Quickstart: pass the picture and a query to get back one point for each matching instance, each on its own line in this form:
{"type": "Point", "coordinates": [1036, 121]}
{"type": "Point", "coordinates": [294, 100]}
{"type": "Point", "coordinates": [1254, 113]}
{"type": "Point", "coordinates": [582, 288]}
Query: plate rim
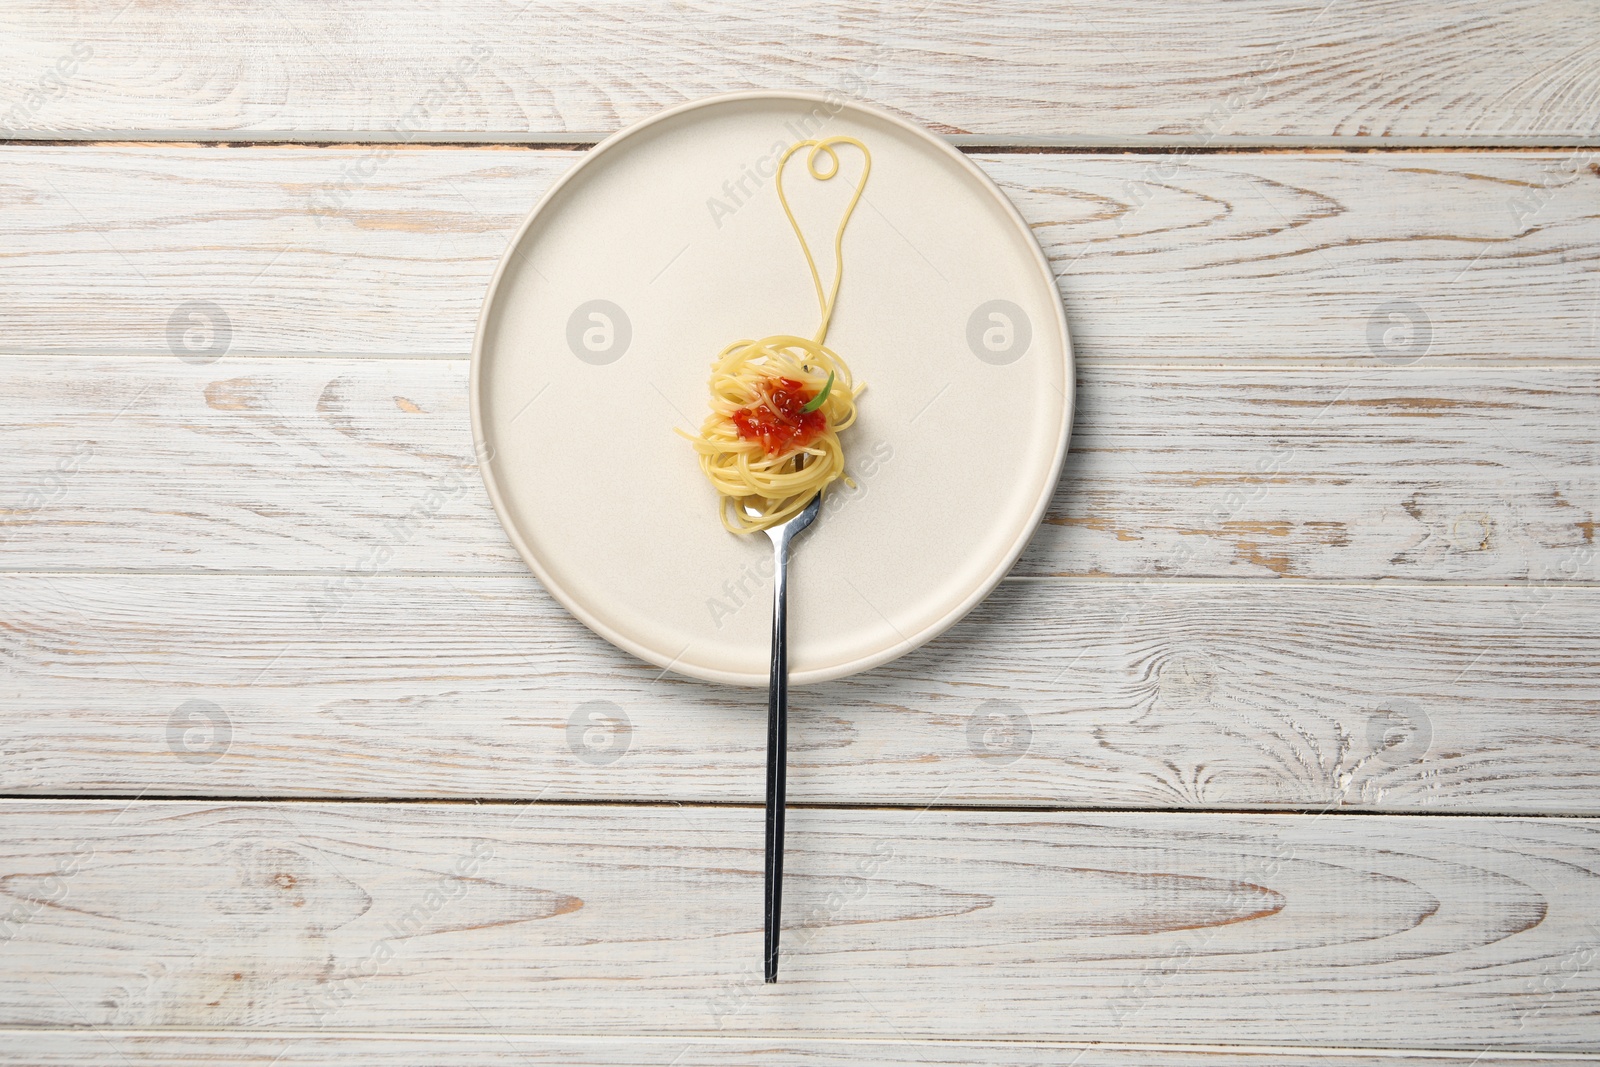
{"type": "Point", "coordinates": [979, 592]}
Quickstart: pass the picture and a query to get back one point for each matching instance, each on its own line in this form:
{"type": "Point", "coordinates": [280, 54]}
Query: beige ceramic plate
{"type": "Point", "coordinates": [666, 243]}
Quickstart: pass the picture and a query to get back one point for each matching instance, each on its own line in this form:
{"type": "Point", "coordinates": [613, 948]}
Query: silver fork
{"type": "Point", "coordinates": [778, 724]}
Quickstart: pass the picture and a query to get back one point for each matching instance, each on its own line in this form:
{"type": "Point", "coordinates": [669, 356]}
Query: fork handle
{"type": "Point", "coordinates": [777, 752]}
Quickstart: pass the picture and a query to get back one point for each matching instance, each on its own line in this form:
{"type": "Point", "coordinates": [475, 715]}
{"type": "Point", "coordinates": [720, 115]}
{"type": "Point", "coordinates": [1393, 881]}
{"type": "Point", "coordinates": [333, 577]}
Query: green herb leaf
{"type": "Point", "coordinates": [816, 401]}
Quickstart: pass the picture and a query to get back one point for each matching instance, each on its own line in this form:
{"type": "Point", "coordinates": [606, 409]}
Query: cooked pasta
{"type": "Point", "coordinates": [771, 442]}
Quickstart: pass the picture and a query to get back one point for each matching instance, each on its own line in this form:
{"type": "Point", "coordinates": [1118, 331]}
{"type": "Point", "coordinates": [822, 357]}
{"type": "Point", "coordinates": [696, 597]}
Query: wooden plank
{"type": "Point", "coordinates": [92, 1048]}
{"type": "Point", "coordinates": [1357, 259]}
{"type": "Point", "coordinates": [1377, 930]}
{"type": "Point", "coordinates": [1423, 473]}
{"type": "Point", "coordinates": [1362, 69]}
{"type": "Point", "coordinates": [1061, 693]}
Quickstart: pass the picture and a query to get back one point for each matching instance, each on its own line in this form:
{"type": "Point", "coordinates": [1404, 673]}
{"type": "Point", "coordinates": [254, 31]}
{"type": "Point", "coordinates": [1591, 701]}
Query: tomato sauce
{"type": "Point", "coordinates": [777, 421]}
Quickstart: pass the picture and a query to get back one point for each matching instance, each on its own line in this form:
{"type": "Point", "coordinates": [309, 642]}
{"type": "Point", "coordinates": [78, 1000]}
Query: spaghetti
{"type": "Point", "coordinates": [771, 442]}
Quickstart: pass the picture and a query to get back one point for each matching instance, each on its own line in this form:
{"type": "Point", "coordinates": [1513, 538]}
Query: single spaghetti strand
{"type": "Point", "coordinates": [817, 148]}
{"type": "Point", "coordinates": [757, 388]}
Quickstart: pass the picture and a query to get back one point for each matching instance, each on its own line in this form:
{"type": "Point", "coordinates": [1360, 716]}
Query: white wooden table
{"type": "Point", "coordinates": [1279, 746]}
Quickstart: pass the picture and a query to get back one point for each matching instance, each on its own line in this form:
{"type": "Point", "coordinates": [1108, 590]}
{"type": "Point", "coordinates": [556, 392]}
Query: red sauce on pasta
{"type": "Point", "coordinates": [777, 421]}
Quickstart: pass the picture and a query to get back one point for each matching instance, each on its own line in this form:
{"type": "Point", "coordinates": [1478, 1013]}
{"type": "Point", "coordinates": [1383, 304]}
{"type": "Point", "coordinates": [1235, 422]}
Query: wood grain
{"type": "Point", "coordinates": [1195, 260]}
{"type": "Point", "coordinates": [1063, 693]}
{"type": "Point", "coordinates": [1380, 931]}
{"type": "Point", "coordinates": [1421, 473]}
{"type": "Point", "coordinates": [1361, 69]}
{"type": "Point", "coordinates": [1325, 543]}
{"type": "Point", "coordinates": [93, 1048]}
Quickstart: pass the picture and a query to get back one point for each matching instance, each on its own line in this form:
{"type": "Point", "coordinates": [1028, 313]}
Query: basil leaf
{"type": "Point", "coordinates": [816, 401]}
